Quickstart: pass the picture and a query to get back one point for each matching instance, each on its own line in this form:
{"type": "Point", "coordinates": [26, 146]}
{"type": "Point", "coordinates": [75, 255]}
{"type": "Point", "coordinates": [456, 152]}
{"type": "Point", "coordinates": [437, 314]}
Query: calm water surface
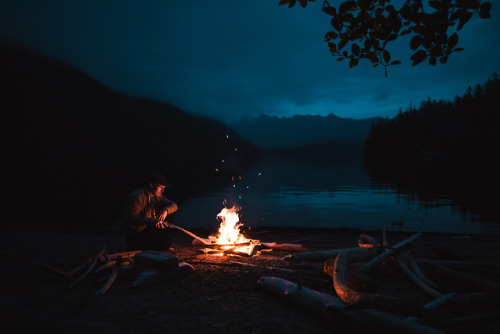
{"type": "Point", "coordinates": [300, 192]}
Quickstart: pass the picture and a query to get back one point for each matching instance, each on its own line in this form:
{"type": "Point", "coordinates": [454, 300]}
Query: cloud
{"type": "Point", "coordinates": [228, 58]}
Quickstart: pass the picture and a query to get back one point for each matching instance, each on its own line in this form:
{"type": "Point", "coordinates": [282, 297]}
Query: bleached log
{"type": "Point", "coordinates": [440, 301]}
{"type": "Point", "coordinates": [90, 268]}
{"type": "Point", "coordinates": [156, 276]}
{"type": "Point", "coordinates": [105, 266]}
{"type": "Point", "coordinates": [478, 267]}
{"type": "Point", "coordinates": [416, 269]}
{"type": "Point", "coordinates": [334, 309]}
{"type": "Point", "coordinates": [284, 247]}
{"type": "Point", "coordinates": [420, 283]}
{"type": "Point", "coordinates": [112, 278]}
{"type": "Point", "coordinates": [476, 317]}
{"type": "Point", "coordinates": [397, 248]}
{"type": "Point", "coordinates": [156, 260]}
{"type": "Point", "coordinates": [340, 281]}
{"type": "Point", "coordinates": [459, 279]}
{"type": "Point", "coordinates": [367, 241]}
{"type": "Point", "coordinates": [356, 279]}
{"type": "Point", "coordinates": [319, 256]}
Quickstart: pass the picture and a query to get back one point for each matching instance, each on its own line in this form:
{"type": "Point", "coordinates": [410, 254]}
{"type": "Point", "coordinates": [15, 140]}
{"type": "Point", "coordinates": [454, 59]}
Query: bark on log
{"type": "Point", "coordinates": [397, 248]}
{"type": "Point", "coordinates": [333, 309]}
{"type": "Point", "coordinates": [320, 256]}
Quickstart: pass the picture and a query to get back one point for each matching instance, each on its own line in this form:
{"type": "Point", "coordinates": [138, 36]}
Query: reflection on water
{"type": "Point", "coordinates": [298, 192]}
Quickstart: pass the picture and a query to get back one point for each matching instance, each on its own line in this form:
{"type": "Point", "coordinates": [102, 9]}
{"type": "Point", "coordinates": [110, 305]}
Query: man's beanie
{"type": "Point", "coordinates": [158, 178]}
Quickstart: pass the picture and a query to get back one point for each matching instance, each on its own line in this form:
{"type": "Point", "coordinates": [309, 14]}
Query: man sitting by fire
{"type": "Point", "coordinates": [147, 215]}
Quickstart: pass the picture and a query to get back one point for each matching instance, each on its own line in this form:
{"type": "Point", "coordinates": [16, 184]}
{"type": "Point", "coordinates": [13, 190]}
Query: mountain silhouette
{"type": "Point", "coordinates": [73, 148]}
{"type": "Point", "coordinates": [300, 130]}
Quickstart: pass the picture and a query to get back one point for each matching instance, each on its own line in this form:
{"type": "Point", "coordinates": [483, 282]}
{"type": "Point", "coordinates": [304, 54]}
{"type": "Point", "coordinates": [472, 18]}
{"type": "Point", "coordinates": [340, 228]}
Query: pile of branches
{"type": "Point", "coordinates": [357, 303]}
{"type": "Point", "coordinates": [142, 267]}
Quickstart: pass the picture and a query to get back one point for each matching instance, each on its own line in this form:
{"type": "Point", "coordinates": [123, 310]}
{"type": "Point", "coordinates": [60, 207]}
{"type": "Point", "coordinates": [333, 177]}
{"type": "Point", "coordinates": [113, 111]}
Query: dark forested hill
{"type": "Point", "coordinates": [443, 146]}
{"type": "Point", "coordinates": [72, 148]}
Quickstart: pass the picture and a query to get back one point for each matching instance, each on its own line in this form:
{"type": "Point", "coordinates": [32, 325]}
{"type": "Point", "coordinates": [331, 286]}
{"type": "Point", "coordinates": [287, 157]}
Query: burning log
{"type": "Point", "coordinates": [397, 248]}
{"type": "Point", "coordinates": [334, 309]}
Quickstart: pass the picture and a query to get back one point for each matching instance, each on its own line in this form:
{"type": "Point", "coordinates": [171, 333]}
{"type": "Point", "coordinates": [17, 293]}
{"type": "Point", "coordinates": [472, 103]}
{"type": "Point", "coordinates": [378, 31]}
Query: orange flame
{"type": "Point", "coordinates": [229, 231]}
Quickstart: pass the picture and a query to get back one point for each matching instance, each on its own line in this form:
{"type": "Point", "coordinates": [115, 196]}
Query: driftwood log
{"type": "Point", "coordinates": [397, 248]}
{"type": "Point", "coordinates": [334, 309]}
{"type": "Point", "coordinates": [156, 276]}
{"type": "Point", "coordinates": [469, 282]}
{"type": "Point", "coordinates": [320, 256]}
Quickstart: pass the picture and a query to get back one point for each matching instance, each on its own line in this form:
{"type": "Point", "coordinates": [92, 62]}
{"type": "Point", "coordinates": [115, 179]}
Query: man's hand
{"type": "Point", "coordinates": [163, 216]}
{"type": "Point", "coordinates": [161, 224]}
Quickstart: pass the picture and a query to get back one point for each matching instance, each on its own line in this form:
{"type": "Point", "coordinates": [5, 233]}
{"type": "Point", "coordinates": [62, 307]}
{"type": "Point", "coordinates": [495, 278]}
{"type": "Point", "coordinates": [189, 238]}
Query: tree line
{"type": "Point", "coordinates": [442, 146]}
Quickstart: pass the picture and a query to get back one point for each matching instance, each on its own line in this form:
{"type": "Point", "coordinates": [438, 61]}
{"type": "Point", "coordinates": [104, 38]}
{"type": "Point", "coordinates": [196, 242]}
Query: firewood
{"type": "Point", "coordinates": [90, 268]}
{"type": "Point", "coordinates": [112, 278]}
{"type": "Point", "coordinates": [105, 266]}
{"type": "Point", "coordinates": [334, 309]}
{"type": "Point", "coordinates": [397, 248]}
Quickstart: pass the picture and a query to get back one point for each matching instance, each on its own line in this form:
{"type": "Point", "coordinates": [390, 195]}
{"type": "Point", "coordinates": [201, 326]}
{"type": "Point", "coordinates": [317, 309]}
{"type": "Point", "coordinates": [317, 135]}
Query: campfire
{"type": "Point", "coordinates": [230, 241]}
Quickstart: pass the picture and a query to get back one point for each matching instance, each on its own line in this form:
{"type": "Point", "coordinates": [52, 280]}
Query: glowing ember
{"type": "Point", "coordinates": [229, 231]}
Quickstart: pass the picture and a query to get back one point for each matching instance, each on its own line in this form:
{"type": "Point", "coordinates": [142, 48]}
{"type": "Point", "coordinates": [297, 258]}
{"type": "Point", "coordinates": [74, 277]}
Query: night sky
{"type": "Point", "coordinates": [227, 58]}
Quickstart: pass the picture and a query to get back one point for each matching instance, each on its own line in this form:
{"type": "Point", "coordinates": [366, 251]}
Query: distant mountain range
{"type": "Point", "coordinates": [285, 132]}
{"type": "Point", "coordinates": [72, 149]}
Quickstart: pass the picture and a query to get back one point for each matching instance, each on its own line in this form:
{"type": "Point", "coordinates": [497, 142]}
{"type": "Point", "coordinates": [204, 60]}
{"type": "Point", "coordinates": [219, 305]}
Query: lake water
{"type": "Point", "coordinates": [300, 192]}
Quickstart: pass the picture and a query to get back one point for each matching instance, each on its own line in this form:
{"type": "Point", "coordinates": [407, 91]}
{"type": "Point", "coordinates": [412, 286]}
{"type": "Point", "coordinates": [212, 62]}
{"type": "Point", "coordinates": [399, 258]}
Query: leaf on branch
{"type": "Point", "coordinates": [386, 55]}
{"type": "Point", "coordinates": [330, 35]}
{"type": "Point", "coordinates": [415, 42]}
{"type": "Point", "coordinates": [355, 49]}
{"type": "Point", "coordinates": [452, 41]}
{"type": "Point", "coordinates": [395, 62]}
{"type": "Point", "coordinates": [283, 2]}
{"type": "Point", "coordinates": [437, 4]}
{"type": "Point", "coordinates": [418, 57]}
{"type": "Point", "coordinates": [333, 47]}
{"type": "Point", "coordinates": [353, 62]}
{"type": "Point", "coordinates": [464, 18]}
{"type": "Point", "coordinates": [303, 3]}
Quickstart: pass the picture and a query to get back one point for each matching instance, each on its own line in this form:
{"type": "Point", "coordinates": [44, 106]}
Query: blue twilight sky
{"type": "Point", "coordinates": [228, 58]}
